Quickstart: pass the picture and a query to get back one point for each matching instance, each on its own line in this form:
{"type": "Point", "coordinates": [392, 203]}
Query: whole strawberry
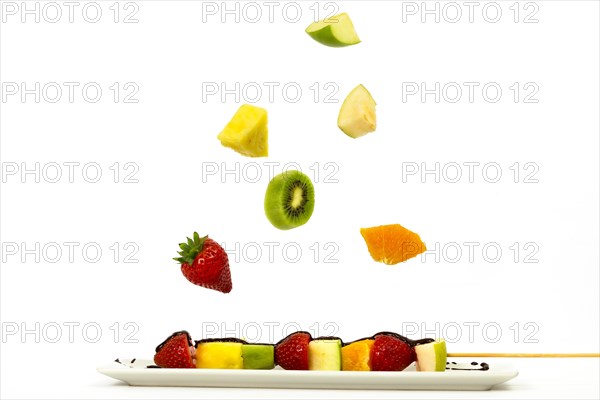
{"type": "Point", "coordinates": [292, 351]}
{"type": "Point", "coordinates": [389, 353]}
{"type": "Point", "coordinates": [205, 263]}
{"type": "Point", "coordinates": [175, 352]}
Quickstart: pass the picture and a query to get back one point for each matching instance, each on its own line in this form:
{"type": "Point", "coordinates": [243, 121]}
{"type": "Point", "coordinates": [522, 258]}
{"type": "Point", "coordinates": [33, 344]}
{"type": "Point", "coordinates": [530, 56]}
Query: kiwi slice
{"type": "Point", "coordinates": [290, 200]}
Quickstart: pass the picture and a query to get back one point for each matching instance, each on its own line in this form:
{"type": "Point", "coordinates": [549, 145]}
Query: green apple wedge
{"type": "Point", "coordinates": [431, 357]}
{"type": "Point", "coordinates": [336, 31]}
{"type": "Point", "coordinates": [357, 115]}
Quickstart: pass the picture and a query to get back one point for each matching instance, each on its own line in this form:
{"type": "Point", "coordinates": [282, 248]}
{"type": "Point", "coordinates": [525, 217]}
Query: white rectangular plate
{"type": "Point", "coordinates": [137, 374]}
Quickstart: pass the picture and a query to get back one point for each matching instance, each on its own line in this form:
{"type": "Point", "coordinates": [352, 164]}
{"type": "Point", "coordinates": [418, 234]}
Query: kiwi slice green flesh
{"type": "Point", "coordinates": [290, 200]}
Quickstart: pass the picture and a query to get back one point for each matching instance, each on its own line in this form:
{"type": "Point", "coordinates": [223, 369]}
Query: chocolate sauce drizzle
{"type": "Point", "coordinates": [474, 366]}
{"type": "Point", "coordinates": [221, 340]}
{"type": "Point", "coordinates": [186, 333]}
{"type": "Point", "coordinates": [285, 338]}
{"type": "Point", "coordinates": [406, 340]}
{"type": "Point", "coordinates": [130, 365]}
{"type": "Point", "coordinates": [329, 338]}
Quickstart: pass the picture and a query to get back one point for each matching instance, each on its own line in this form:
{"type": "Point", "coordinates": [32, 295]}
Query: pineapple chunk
{"type": "Point", "coordinates": [247, 132]}
{"type": "Point", "coordinates": [223, 355]}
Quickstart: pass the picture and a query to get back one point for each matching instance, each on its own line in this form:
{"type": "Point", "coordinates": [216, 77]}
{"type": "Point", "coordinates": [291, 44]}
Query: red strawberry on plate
{"type": "Point", "coordinates": [205, 263]}
{"type": "Point", "coordinates": [389, 353]}
{"type": "Point", "coordinates": [292, 351]}
{"type": "Point", "coordinates": [175, 351]}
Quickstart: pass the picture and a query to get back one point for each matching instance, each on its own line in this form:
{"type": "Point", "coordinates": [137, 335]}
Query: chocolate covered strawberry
{"type": "Point", "coordinates": [390, 353]}
{"type": "Point", "coordinates": [175, 352]}
{"type": "Point", "coordinates": [205, 263]}
{"type": "Point", "coordinates": [292, 351]}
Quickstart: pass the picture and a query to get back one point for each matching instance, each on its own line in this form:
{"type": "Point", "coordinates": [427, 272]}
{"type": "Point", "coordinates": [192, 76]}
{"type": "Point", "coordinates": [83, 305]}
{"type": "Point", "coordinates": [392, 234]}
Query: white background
{"type": "Point", "coordinates": [172, 53]}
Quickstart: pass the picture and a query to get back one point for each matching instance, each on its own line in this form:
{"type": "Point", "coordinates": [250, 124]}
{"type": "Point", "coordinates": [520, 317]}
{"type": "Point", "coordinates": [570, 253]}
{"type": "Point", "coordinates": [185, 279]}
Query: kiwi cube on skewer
{"type": "Point", "coordinates": [258, 356]}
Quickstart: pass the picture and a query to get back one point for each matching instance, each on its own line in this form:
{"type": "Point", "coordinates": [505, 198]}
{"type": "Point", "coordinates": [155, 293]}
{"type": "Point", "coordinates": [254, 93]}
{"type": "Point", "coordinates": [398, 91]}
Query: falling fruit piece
{"type": "Point", "coordinates": [392, 244]}
{"type": "Point", "coordinates": [247, 132]}
{"type": "Point", "coordinates": [289, 200]}
{"type": "Point", "coordinates": [205, 263]}
{"type": "Point", "coordinates": [357, 115]}
{"type": "Point", "coordinates": [336, 31]}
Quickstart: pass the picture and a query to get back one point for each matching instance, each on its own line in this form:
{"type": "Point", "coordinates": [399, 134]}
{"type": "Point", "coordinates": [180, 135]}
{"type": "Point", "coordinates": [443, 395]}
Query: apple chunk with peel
{"type": "Point", "coordinates": [357, 115]}
{"type": "Point", "coordinates": [325, 355]}
{"type": "Point", "coordinates": [431, 356]}
{"type": "Point", "coordinates": [336, 31]}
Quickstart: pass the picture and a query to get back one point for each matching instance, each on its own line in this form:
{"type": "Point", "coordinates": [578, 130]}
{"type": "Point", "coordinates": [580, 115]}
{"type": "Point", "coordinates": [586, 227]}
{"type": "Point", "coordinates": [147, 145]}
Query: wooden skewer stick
{"type": "Point", "coordinates": [526, 355]}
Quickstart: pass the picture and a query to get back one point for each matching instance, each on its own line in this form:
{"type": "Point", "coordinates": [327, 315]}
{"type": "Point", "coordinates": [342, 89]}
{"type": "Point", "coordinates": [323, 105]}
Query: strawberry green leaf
{"type": "Point", "coordinates": [191, 249]}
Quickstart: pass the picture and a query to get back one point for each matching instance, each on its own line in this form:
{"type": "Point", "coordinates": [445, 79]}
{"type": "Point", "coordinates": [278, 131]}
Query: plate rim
{"type": "Point", "coordinates": [399, 380]}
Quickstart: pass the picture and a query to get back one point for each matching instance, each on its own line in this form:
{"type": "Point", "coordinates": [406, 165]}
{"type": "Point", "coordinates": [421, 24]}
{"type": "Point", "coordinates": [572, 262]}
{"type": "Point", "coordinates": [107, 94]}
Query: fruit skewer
{"type": "Point", "coordinates": [384, 351]}
{"type": "Point", "coordinates": [526, 355]}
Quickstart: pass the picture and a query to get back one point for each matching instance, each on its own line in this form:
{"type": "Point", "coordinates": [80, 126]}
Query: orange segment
{"type": "Point", "coordinates": [357, 356]}
{"type": "Point", "coordinates": [391, 244]}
